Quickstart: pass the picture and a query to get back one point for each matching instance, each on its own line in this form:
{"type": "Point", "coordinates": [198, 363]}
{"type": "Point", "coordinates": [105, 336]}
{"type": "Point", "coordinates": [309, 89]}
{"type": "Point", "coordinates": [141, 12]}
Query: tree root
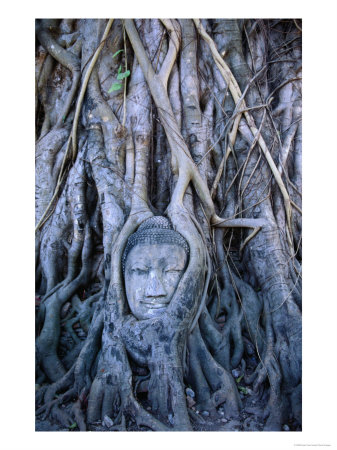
{"type": "Point", "coordinates": [236, 93]}
{"type": "Point", "coordinates": [67, 59]}
{"type": "Point", "coordinates": [220, 381]}
{"type": "Point", "coordinates": [142, 417]}
{"type": "Point", "coordinates": [48, 339]}
{"type": "Point", "coordinates": [61, 416]}
{"type": "Point", "coordinates": [79, 415]}
{"type": "Point", "coordinates": [83, 89]}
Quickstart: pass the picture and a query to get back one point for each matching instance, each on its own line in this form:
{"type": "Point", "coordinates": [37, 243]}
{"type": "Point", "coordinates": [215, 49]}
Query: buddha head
{"type": "Point", "coordinates": [154, 260]}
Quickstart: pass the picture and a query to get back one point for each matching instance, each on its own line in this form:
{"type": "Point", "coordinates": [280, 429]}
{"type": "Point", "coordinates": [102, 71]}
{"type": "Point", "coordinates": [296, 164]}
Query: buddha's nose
{"type": "Point", "coordinates": [154, 286]}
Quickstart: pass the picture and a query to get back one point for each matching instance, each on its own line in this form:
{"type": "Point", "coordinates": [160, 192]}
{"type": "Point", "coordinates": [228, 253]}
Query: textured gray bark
{"type": "Point", "coordinates": [171, 140]}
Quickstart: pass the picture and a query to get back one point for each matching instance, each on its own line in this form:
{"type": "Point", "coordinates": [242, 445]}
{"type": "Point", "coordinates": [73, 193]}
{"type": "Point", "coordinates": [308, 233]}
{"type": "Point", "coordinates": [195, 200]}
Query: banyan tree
{"type": "Point", "coordinates": [168, 223]}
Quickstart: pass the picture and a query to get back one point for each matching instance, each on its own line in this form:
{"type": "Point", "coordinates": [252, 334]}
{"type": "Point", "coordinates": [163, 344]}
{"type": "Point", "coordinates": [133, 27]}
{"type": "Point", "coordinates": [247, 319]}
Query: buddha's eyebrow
{"type": "Point", "coordinates": [174, 264]}
{"type": "Point", "coordinates": [173, 259]}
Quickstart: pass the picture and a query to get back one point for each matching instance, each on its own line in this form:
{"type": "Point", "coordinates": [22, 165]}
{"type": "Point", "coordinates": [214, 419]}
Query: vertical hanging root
{"type": "Point", "coordinates": [188, 171]}
{"type": "Point", "coordinates": [236, 94]}
{"type": "Point", "coordinates": [84, 87]}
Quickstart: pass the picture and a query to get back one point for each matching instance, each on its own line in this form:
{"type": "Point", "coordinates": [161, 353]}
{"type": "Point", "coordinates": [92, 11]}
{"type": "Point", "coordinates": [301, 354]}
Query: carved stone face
{"type": "Point", "coordinates": [152, 274]}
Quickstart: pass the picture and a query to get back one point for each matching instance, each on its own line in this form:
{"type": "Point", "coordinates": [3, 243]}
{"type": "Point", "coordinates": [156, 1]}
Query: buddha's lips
{"type": "Point", "coordinates": [155, 304]}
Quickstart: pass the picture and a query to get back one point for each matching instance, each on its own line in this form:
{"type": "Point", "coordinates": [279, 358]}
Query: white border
{"type": "Point", "coordinates": [17, 225]}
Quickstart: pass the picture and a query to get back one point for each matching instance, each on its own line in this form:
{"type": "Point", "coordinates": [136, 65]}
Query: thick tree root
{"type": "Point", "coordinates": [222, 387]}
{"type": "Point", "coordinates": [68, 59]}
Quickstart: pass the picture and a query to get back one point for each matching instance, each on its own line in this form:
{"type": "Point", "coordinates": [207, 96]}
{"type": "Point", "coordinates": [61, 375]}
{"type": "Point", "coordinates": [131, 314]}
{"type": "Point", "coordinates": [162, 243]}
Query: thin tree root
{"type": "Point", "coordinates": [236, 93]}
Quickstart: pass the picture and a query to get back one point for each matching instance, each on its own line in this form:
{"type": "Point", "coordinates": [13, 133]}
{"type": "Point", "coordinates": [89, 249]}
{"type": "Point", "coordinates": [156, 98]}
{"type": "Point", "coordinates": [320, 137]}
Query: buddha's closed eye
{"type": "Point", "coordinates": [139, 270]}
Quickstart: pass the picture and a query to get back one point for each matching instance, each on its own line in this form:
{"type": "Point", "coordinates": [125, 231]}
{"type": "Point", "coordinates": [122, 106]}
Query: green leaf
{"type": "Point", "coordinates": [115, 54]}
{"type": "Point", "coordinates": [120, 76]}
{"type": "Point", "coordinates": [72, 426]}
{"type": "Point", "coordinates": [243, 389]}
{"type": "Point", "coordinates": [119, 69]}
{"type": "Point", "coordinates": [239, 379]}
{"type": "Point", "coordinates": [114, 87]}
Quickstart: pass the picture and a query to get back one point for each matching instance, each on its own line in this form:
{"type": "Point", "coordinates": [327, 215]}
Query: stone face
{"type": "Point", "coordinates": [156, 230]}
{"type": "Point", "coordinates": [153, 262]}
{"type": "Point", "coordinates": [152, 273]}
